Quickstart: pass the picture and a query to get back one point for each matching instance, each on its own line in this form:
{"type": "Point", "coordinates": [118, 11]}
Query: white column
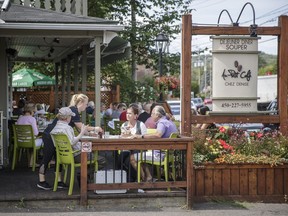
{"type": "Point", "coordinates": [56, 97]}
{"type": "Point", "coordinates": [84, 77]}
{"type": "Point", "coordinates": [98, 41]}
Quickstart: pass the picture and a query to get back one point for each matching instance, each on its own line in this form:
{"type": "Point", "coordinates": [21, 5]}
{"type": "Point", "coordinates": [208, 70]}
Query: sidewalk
{"type": "Point", "coordinates": [200, 209]}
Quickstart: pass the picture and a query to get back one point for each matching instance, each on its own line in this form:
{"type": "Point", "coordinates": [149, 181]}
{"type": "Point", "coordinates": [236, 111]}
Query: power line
{"type": "Point", "coordinates": [267, 40]}
{"type": "Point", "coordinates": [272, 12]}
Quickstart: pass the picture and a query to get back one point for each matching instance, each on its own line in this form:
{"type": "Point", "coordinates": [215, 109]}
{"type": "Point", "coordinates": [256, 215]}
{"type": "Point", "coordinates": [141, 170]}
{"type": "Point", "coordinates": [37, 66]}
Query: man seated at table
{"type": "Point", "coordinates": [62, 126]}
{"type": "Point", "coordinates": [164, 128]}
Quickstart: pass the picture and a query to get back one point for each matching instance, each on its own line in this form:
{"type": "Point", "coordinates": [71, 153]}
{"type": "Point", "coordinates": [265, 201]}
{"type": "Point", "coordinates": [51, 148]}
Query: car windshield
{"type": "Point", "coordinates": [175, 110]}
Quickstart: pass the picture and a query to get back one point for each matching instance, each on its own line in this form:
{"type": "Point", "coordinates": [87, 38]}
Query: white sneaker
{"type": "Point", "coordinates": [141, 191]}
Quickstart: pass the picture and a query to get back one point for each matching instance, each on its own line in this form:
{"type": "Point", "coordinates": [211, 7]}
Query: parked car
{"type": "Point", "coordinates": [175, 107]}
{"type": "Point", "coordinates": [177, 103]}
{"type": "Point", "coordinates": [198, 102]}
{"type": "Point", "coordinates": [244, 126]}
{"type": "Point", "coordinates": [208, 103]}
{"type": "Point", "coordinates": [272, 109]}
{"type": "Point", "coordinates": [176, 112]}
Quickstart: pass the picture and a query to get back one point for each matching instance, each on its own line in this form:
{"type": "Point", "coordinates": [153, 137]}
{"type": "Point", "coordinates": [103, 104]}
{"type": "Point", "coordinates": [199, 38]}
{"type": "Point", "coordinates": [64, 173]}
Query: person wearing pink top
{"type": "Point", "coordinates": [28, 119]}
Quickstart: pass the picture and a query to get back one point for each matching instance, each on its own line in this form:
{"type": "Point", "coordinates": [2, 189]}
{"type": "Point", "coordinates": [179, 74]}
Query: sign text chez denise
{"type": "Point", "coordinates": [236, 43]}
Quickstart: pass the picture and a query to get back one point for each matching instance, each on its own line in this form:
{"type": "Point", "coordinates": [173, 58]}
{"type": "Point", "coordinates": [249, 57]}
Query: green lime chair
{"type": "Point", "coordinates": [117, 127]}
{"type": "Point", "coordinates": [169, 158]}
{"type": "Point", "coordinates": [24, 139]}
{"type": "Point", "coordinates": [64, 155]}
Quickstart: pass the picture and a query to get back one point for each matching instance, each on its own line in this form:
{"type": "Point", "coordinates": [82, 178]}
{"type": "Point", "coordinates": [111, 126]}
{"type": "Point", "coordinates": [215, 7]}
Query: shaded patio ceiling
{"type": "Point", "coordinates": [39, 35]}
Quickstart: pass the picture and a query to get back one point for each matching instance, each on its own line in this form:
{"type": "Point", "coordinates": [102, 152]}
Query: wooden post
{"type": "Point", "coordinates": [51, 99]}
{"type": "Point", "coordinates": [186, 75]}
{"type": "Point", "coordinates": [83, 186]}
{"type": "Point", "coordinates": [190, 177]}
{"type": "Point", "coordinates": [116, 96]}
{"type": "Point", "coordinates": [283, 74]}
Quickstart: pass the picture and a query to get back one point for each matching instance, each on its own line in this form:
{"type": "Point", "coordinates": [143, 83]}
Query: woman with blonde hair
{"type": "Point", "coordinates": [78, 104]}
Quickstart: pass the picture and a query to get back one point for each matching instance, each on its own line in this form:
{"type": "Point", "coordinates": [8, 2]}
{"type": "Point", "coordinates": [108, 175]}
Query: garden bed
{"type": "Point", "coordinates": [245, 182]}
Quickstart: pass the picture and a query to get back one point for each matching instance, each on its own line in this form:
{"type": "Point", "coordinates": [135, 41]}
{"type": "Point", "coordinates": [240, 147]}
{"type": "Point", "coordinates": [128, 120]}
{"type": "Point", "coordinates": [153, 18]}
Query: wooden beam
{"type": "Point", "coordinates": [283, 74]}
{"type": "Point", "coordinates": [214, 30]}
{"type": "Point", "coordinates": [236, 119]}
{"type": "Point", "coordinates": [186, 75]}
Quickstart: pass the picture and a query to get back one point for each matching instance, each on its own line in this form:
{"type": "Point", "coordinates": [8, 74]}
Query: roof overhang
{"type": "Point", "coordinates": [32, 35]}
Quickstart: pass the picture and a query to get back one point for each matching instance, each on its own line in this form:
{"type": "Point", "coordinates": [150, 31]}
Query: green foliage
{"type": "Point", "coordinates": [44, 68]}
{"type": "Point", "coordinates": [267, 64]}
{"type": "Point", "coordinates": [153, 17]}
{"type": "Point", "coordinates": [131, 91]}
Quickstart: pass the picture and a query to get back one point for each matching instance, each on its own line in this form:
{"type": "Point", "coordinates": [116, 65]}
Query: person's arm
{"type": "Point", "coordinates": [82, 132]}
{"type": "Point", "coordinates": [34, 126]}
{"type": "Point", "coordinates": [79, 125]}
{"type": "Point", "coordinates": [157, 134]}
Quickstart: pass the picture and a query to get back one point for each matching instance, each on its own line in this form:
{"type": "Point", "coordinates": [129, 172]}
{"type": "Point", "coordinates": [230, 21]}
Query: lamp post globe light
{"type": "Point", "coordinates": [161, 44]}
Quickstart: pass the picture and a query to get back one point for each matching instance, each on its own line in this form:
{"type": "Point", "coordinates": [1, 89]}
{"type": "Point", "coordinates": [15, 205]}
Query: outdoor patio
{"type": "Point", "coordinates": [18, 190]}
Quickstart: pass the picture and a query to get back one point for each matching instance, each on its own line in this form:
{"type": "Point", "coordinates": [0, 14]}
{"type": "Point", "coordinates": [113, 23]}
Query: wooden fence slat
{"type": "Point", "coordinates": [235, 183]}
{"type": "Point", "coordinates": [252, 176]}
{"type": "Point", "coordinates": [285, 182]}
{"type": "Point", "coordinates": [270, 181]}
{"type": "Point", "coordinates": [278, 185]}
{"type": "Point", "coordinates": [199, 186]}
{"type": "Point", "coordinates": [244, 190]}
{"type": "Point", "coordinates": [261, 182]}
{"type": "Point", "coordinates": [226, 182]}
{"type": "Point", "coordinates": [208, 182]}
{"type": "Point", "coordinates": [217, 186]}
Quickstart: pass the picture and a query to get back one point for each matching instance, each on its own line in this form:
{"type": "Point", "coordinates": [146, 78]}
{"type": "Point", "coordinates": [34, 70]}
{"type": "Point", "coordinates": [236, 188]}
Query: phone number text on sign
{"type": "Point", "coordinates": [236, 105]}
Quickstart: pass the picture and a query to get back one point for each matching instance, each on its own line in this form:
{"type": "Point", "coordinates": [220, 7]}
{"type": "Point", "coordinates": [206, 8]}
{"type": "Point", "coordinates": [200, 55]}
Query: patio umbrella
{"type": "Point", "coordinates": [29, 78]}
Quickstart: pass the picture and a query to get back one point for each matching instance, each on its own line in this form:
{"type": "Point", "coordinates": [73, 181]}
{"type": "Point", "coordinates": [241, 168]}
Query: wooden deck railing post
{"type": "Point", "coordinates": [83, 185]}
{"type": "Point", "coordinates": [190, 182]}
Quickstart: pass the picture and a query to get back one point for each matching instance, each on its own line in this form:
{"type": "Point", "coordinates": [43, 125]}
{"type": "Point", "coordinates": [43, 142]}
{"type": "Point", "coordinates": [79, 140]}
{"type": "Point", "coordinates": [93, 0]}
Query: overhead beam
{"type": "Point", "coordinates": [272, 119]}
{"type": "Point", "coordinates": [214, 30]}
{"type": "Point", "coordinates": [47, 33]}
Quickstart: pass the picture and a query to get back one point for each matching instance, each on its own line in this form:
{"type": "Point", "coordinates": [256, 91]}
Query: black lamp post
{"type": "Point", "coordinates": [161, 44]}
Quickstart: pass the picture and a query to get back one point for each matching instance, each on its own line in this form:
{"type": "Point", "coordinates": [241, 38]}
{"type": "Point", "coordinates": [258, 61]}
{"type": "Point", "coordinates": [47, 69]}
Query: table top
{"type": "Point", "coordinates": [96, 137]}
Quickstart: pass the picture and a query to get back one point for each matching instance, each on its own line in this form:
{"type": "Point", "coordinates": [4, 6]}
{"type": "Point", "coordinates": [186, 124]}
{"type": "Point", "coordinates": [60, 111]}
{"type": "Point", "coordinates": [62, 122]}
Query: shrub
{"type": "Point", "coordinates": [231, 145]}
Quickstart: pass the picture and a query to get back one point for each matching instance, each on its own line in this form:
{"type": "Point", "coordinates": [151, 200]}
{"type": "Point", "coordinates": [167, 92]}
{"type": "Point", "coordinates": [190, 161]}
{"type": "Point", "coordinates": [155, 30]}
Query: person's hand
{"type": "Point", "coordinates": [84, 129]}
{"type": "Point", "coordinates": [99, 129]}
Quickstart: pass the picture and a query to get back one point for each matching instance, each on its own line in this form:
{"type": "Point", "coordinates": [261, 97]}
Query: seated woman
{"type": "Point", "coordinates": [164, 128]}
{"type": "Point", "coordinates": [131, 127]}
{"type": "Point", "coordinates": [28, 119]}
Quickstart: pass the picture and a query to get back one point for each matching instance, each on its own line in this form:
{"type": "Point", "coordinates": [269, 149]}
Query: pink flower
{"type": "Point", "coordinates": [222, 129]}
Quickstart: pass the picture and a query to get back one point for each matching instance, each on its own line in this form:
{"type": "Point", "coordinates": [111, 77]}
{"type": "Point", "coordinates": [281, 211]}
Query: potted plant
{"type": "Point", "coordinates": [232, 163]}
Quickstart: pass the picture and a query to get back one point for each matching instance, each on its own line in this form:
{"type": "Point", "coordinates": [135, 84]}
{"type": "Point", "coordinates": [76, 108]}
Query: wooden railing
{"type": "Point", "coordinates": [78, 7]}
{"type": "Point", "coordinates": [48, 97]}
{"type": "Point", "coordinates": [183, 144]}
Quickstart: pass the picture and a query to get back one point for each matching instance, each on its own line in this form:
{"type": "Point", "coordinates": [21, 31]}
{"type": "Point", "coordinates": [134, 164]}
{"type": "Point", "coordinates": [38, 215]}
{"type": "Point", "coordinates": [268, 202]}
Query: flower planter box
{"type": "Point", "coordinates": [245, 182]}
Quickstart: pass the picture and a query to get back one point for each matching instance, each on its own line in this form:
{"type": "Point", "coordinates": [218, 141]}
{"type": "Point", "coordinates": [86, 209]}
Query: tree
{"type": "Point", "coordinates": [144, 20]}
